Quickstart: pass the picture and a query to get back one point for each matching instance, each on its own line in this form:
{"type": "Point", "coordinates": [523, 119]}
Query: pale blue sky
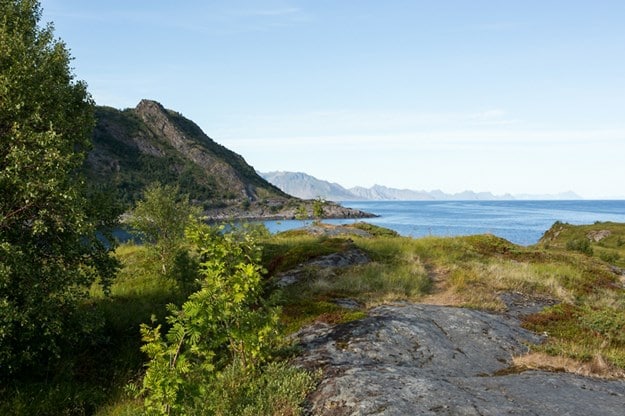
{"type": "Point", "coordinates": [499, 95]}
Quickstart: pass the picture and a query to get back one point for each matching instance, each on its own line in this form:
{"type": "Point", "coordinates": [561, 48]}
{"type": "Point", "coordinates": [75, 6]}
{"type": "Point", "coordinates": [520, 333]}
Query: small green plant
{"type": "Point", "coordinates": [275, 389]}
{"type": "Point", "coordinates": [226, 322]}
{"type": "Point", "coordinates": [608, 323]}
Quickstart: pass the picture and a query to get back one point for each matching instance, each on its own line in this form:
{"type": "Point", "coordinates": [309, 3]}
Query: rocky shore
{"type": "Point", "coordinates": [278, 210]}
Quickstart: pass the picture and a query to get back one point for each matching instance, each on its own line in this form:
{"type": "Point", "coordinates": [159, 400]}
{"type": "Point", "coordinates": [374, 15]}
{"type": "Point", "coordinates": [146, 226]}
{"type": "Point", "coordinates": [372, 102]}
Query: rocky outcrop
{"type": "Point", "coordinates": [413, 359]}
{"type": "Point", "coordinates": [278, 209]}
{"type": "Point", "coordinates": [329, 262]}
{"type": "Point", "coordinates": [599, 235]}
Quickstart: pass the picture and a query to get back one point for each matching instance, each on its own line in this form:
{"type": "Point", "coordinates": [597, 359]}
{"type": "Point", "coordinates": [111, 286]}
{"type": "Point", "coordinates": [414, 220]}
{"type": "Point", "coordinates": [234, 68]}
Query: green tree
{"type": "Point", "coordinates": [160, 220]}
{"type": "Point", "coordinates": [301, 213]}
{"type": "Point", "coordinates": [50, 252]}
{"type": "Point", "coordinates": [318, 208]}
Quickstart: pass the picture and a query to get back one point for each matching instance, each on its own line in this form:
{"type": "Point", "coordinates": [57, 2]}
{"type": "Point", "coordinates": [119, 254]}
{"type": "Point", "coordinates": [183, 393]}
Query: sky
{"type": "Point", "coordinates": [515, 96]}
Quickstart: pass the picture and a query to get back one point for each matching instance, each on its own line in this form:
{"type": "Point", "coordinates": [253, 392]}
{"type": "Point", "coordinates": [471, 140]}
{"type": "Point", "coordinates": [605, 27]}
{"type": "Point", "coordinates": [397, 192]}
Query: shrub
{"type": "Point", "coordinates": [276, 389]}
{"type": "Point", "coordinates": [581, 244]}
{"type": "Point", "coordinates": [609, 256]}
{"type": "Point", "coordinates": [224, 323]}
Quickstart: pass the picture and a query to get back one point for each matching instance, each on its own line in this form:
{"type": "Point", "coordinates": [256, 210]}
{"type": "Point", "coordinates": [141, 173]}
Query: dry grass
{"type": "Point", "coordinates": [597, 367]}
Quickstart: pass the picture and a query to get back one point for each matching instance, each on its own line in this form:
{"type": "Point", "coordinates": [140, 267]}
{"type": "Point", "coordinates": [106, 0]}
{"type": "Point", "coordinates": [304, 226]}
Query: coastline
{"type": "Point", "coordinates": [258, 212]}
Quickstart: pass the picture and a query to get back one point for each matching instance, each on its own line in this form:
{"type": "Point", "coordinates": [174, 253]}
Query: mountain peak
{"type": "Point", "coordinates": [149, 105]}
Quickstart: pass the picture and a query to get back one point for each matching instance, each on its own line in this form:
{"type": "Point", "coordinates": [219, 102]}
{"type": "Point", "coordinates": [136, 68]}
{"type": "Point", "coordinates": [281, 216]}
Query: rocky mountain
{"type": "Point", "coordinates": [305, 186]}
{"type": "Point", "coordinates": [135, 147]}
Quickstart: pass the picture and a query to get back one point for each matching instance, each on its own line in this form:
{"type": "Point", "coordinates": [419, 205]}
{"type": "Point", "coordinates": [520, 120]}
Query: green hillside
{"type": "Point", "coordinates": [605, 240]}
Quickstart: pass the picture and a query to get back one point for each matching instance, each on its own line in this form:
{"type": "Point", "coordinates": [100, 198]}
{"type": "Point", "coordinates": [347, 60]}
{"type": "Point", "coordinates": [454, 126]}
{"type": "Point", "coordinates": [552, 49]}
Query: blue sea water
{"type": "Point", "coordinates": [521, 222]}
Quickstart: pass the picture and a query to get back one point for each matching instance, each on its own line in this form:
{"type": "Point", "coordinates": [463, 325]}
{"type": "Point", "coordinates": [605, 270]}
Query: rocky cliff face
{"type": "Point", "coordinates": [135, 147]}
{"type": "Point", "coordinates": [191, 142]}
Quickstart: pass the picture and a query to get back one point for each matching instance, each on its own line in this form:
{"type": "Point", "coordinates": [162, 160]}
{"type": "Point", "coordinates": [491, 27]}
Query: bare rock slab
{"type": "Point", "coordinates": [343, 259]}
{"type": "Point", "coordinates": [416, 359]}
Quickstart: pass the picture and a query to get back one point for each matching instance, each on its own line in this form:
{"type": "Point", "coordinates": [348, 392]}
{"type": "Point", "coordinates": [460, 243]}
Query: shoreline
{"type": "Point", "coordinates": [331, 210]}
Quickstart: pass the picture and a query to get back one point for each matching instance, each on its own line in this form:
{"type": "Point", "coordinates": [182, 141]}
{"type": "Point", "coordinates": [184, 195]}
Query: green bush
{"type": "Point", "coordinates": [607, 323]}
{"type": "Point", "coordinates": [581, 244]}
{"type": "Point", "coordinates": [160, 220]}
{"type": "Point", "coordinates": [609, 256]}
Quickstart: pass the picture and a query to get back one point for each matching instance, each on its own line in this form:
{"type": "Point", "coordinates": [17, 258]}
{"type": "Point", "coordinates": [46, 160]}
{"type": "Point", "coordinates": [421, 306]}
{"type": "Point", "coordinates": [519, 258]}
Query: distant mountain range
{"type": "Point", "coordinates": [305, 186]}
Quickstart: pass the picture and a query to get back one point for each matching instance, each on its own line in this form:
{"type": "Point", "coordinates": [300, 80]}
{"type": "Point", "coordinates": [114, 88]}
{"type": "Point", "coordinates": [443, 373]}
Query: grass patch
{"type": "Point", "coordinates": [374, 230]}
{"type": "Point", "coordinates": [278, 389]}
{"type": "Point", "coordinates": [376, 282]}
{"type": "Point", "coordinates": [286, 250]}
{"type": "Point", "coordinates": [303, 311]}
{"type": "Point", "coordinates": [395, 273]}
{"type": "Point", "coordinates": [583, 333]}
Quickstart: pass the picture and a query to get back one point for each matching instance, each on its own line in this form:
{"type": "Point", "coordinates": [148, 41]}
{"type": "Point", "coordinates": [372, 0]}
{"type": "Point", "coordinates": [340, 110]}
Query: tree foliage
{"type": "Point", "coordinates": [49, 250]}
{"type": "Point", "coordinates": [160, 220]}
{"type": "Point", "coordinates": [225, 322]}
{"type": "Point", "coordinates": [318, 208]}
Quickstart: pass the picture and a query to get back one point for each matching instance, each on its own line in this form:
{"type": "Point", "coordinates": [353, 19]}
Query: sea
{"type": "Point", "coordinates": [521, 222]}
